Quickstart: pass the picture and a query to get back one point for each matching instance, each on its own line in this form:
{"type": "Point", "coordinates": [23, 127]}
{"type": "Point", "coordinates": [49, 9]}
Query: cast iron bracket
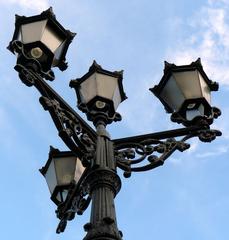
{"type": "Point", "coordinates": [79, 137]}
{"type": "Point", "coordinates": [146, 152]}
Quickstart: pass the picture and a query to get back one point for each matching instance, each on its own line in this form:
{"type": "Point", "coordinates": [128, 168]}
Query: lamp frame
{"type": "Point", "coordinates": [92, 112]}
{"type": "Point", "coordinates": [50, 16]}
{"type": "Point", "coordinates": [56, 153]}
{"type": "Point", "coordinates": [168, 71]}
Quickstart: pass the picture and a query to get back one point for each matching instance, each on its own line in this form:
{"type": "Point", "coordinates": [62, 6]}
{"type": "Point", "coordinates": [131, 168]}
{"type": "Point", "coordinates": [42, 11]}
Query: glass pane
{"type": "Point", "coordinates": [51, 39]}
{"type": "Point", "coordinates": [205, 89]}
{"type": "Point", "coordinates": [65, 169]}
{"type": "Point", "coordinates": [189, 84]}
{"type": "Point", "coordinates": [172, 94]}
{"type": "Point", "coordinates": [62, 195]}
{"type": "Point", "coordinates": [19, 37]}
{"type": "Point", "coordinates": [58, 53]}
{"type": "Point", "coordinates": [79, 170]}
{"type": "Point", "coordinates": [88, 88]}
{"type": "Point", "coordinates": [190, 114]}
{"type": "Point", "coordinates": [106, 85]}
{"type": "Point", "coordinates": [116, 97]}
{"type": "Point", "coordinates": [50, 177]}
{"type": "Point", "coordinates": [32, 32]}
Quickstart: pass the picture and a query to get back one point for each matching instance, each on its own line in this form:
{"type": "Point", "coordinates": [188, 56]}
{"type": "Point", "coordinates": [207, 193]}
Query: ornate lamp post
{"type": "Point", "coordinates": [88, 171]}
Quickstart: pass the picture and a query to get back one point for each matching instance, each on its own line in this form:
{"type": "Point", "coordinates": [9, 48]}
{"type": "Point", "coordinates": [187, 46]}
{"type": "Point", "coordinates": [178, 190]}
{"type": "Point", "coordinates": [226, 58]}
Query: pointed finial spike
{"type": "Point", "coordinates": [94, 66]}
{"type": "Point", "coordinates": [197, 63]}
{"type": "Point", "coordinates": [72, 34]}
{"type": "Point", "coordinates": [52, 150]}
{"type": "Point", "coordinates": [17, 17]}
{"type": "Point", "coordinates": [167, 63]}
{"type": "Point", "coordinates": [198, 60]}
{"type": "Point", "coordinates": [167, 66]}
{"type": "Point", "coordinates": [119, 72]}
{"type": "Point", "coordinates": [49, 12]}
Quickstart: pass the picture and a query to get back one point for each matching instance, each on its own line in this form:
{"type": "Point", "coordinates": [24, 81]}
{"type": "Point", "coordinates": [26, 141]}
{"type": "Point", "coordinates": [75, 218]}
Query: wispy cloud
{"type": "Point", "coordinates": [217, 151]}
{"type": "Point", "coordinates": [38, 5]}
{"type": "Point", "coordinates": [140, 106]}
{"type": "Point", "coordinates": [209, 40]}
{"type": "Point", "coordinates": [223, 125]}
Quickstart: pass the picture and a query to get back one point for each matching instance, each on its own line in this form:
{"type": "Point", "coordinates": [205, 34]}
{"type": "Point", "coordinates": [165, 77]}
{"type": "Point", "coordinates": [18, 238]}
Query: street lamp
{"type": "Point", "coordinates": [44, 39]}
{"type": "Point", "coordinates": [185, 91]}
{"type": "Point", "coordinates": [100, 91]}
{"type": "Point", "coordinates": [61, 170]}
{"type": "Point", "coordinates": [87, 173]}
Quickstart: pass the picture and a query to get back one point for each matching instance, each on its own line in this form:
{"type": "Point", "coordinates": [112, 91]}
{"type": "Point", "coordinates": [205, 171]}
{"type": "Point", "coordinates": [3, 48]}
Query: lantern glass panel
{"type": "Point", "coordinates": [100, 85]}
{"type": "Point", "coordinates": [79, 169]}
{"type": "Point", "coordinates": [116, 98]}
{"type": "Point", "coordinates": [50, 177]}
{"type": "Point", "coordinates": [106, 85]}
{"type": "Point", "coordinates": [189, 83]}
{"type": "Point", "coordinates": [32, 32]}
{"type": "Point", "coordinates": [205, 89]}
{"type": "Point", "coordinates": [62, 195]}
{"type": "Point", "coordinates": [88, 88]}
{"type": "Point", "coordinates": [51, 39]}
{"type": "Point", "coordinates": [192, 113]}
{"type": "Point", "coordinates": [172, 94]}
{"type": "Point", "coordinates": [183, 86]}
{"type": "Point", "coordinates": [58, 52]}
{"type": "Point", "coordinates": [40, 31]}
{"type": "Point", "coordinates": [65, 169]}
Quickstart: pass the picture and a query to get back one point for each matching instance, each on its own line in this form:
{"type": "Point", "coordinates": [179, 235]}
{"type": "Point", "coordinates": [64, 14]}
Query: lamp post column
{"type": "Point", "coordinates": [103, 183]}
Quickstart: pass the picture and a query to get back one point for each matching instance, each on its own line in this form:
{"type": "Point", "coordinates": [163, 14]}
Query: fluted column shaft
{"type": "Point", "coordinates": [103, 183]}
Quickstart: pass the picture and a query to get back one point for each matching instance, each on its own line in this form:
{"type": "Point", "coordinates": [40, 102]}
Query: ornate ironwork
{"type": "Point", "coordinates": [204, 120]}
{"type": "Point", "coordinates": [100, 155]}
{"type": "Point", "coordinates": [74, 131]}
{"type": "Point", "coordinates": [146, 152]}
{"type": "Point", "coordinates": [76, 202]}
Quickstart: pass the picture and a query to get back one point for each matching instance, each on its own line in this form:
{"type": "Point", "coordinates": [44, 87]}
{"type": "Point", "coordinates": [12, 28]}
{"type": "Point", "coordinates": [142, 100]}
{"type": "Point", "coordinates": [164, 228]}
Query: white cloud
{"type": "Point", "coordinates": [209, 40]}
{"type": "Point", "coordinates": [39, 5]}
{"type": "Point", "coordinates": [222, 124]}
{"type": "Point", "coordinates": [194, 143]}
{"type": "Point", "coordinates": [141, 112]}
{"type": "Point", "coordinates": [217, 151]}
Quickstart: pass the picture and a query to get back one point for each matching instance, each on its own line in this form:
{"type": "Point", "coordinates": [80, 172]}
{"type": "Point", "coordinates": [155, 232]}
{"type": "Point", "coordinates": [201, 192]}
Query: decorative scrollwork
{"type": "Point", "coordinates": [153, 150]}
{"type": "Point", "coordinates": [76, 134]}
{"type": "Point", "coordinates": [77, 202]}
{"type": "Point", "coordinates": [208, 135]}
{"type": "Point", "coordinates": [70, 130]}
{"type": "Point", "coordinates": [25, 62]}
{"type": "Point", "coordinates": [200, 120]}
{"type": "Point", "coordinates": [136, 150]}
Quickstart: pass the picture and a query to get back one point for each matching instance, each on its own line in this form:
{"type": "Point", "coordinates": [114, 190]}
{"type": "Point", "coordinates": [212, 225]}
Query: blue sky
{"type": "Point", "coordinates": [188, 197]}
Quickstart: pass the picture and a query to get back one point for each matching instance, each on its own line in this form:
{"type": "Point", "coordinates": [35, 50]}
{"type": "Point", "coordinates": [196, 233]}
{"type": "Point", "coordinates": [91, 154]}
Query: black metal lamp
{"type": "Point", "coordinates": [43, 38]}
{"type": "Point", "coordinates": [61, 170]}
{"type": "Point", "coordinates": [100, 91]}
{"type": "Point", "coordinates": [186, 91]}
{"type": "Point", "coordinates": [41, 42]}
